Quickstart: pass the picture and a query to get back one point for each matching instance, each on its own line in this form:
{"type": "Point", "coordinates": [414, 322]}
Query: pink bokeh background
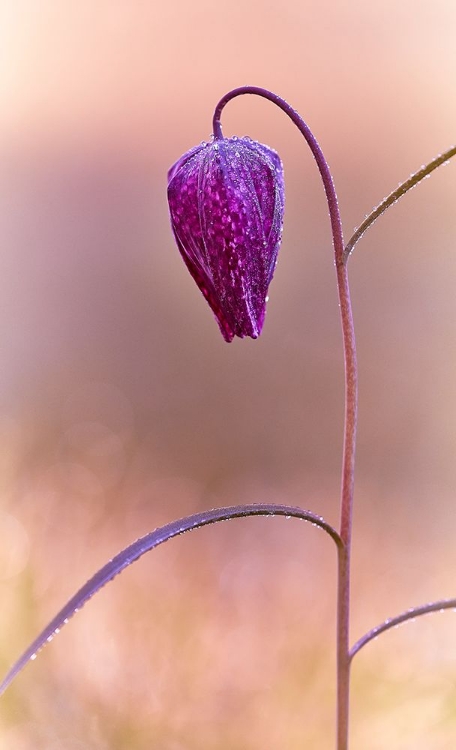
{"type": "Point", "coordinates": [122, 407]}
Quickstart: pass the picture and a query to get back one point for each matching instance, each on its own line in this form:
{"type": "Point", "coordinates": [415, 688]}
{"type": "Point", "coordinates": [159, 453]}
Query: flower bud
{"type": "Point", "coordinates": [226, 201]}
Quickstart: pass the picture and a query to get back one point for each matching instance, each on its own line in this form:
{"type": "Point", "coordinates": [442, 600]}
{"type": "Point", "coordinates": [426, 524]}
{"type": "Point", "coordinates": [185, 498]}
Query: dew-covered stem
{"type": "Point", "coordinates": [410, 614]}
{"type": "Point", "coordinates": [351, 400]}
{"type": "Point", "coordinates": [145, 544]}
{"type": "Point", "coordinates": [326, 176]}
{"type": "Point", "coordinates": [403, 188]}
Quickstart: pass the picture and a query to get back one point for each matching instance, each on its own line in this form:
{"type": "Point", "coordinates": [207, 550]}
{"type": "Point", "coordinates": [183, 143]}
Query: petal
{"type": "Point", "coordinates": [226, 204]}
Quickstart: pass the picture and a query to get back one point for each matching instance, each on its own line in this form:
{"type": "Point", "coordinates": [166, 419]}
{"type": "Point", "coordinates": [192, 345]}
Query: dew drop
{"type": "Point", "coordinates": [33, 657]}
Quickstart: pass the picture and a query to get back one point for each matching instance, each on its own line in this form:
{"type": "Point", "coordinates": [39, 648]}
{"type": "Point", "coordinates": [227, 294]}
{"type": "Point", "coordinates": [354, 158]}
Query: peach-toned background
{"type": "Point", "coordinates": [122, 407]}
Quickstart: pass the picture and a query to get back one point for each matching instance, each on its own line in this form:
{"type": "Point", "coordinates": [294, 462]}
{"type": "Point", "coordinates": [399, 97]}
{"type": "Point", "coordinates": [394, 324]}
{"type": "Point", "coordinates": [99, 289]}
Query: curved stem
{"type": "Point", "coordinates": [393, 622]}
{"type": "Point", "coordinates": [326, 176]}
{"type": "Point", "coordinates": [403, 188]}
{"type": "Point", "coordinates": [351, 399]}
{"type": "Point", "coordinates": [146, 543]}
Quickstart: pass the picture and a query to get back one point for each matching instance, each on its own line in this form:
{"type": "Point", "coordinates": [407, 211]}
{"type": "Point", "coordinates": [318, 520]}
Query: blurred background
{"type": "Point", "coordinates": [122, 407]}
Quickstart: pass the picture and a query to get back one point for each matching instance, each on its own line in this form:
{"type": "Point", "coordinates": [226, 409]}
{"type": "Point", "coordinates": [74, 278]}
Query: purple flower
{"type": "Point", "coordinates": [226, 201]}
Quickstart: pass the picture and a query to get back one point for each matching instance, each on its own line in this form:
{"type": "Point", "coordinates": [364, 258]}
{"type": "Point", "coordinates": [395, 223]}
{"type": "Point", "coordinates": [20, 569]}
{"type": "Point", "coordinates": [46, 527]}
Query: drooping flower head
{"type": "Point", "coordinates": [226, 201]}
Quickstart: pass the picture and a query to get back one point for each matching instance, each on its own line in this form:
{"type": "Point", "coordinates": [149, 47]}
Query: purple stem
{"type": "Point", "coordinates": [393, 622]}
{"type": "Point", "coordinates": [351, 400]}
{"type": "Point", "coordinates": [393, 197]}
{"type": "Point", "coordinates": [146, 543]}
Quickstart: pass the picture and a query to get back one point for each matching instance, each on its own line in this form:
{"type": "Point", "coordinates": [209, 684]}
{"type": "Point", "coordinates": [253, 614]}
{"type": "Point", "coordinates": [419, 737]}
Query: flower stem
{"type": "Point", "coordinates": [403, 188]}
{"type": "Point", "coordinates": [145, 544]}
{"type": "Point", "coordinates": [351, 399]}
{"type": "Point", "coordinates": [346, 507]}
{"type": "Point", "coordinates": [410, 614]}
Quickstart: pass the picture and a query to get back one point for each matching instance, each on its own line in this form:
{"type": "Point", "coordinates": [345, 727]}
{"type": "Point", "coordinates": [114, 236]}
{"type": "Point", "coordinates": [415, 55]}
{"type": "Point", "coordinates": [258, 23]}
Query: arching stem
{"type": "Point", "coordinates": [393, 197]}
{"type": "Point", "coordinates": [410, 614]}
{"type": "Point", "coordinates": [351, 399]}
{"type": "Point", "coordinates": [145, 544]}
